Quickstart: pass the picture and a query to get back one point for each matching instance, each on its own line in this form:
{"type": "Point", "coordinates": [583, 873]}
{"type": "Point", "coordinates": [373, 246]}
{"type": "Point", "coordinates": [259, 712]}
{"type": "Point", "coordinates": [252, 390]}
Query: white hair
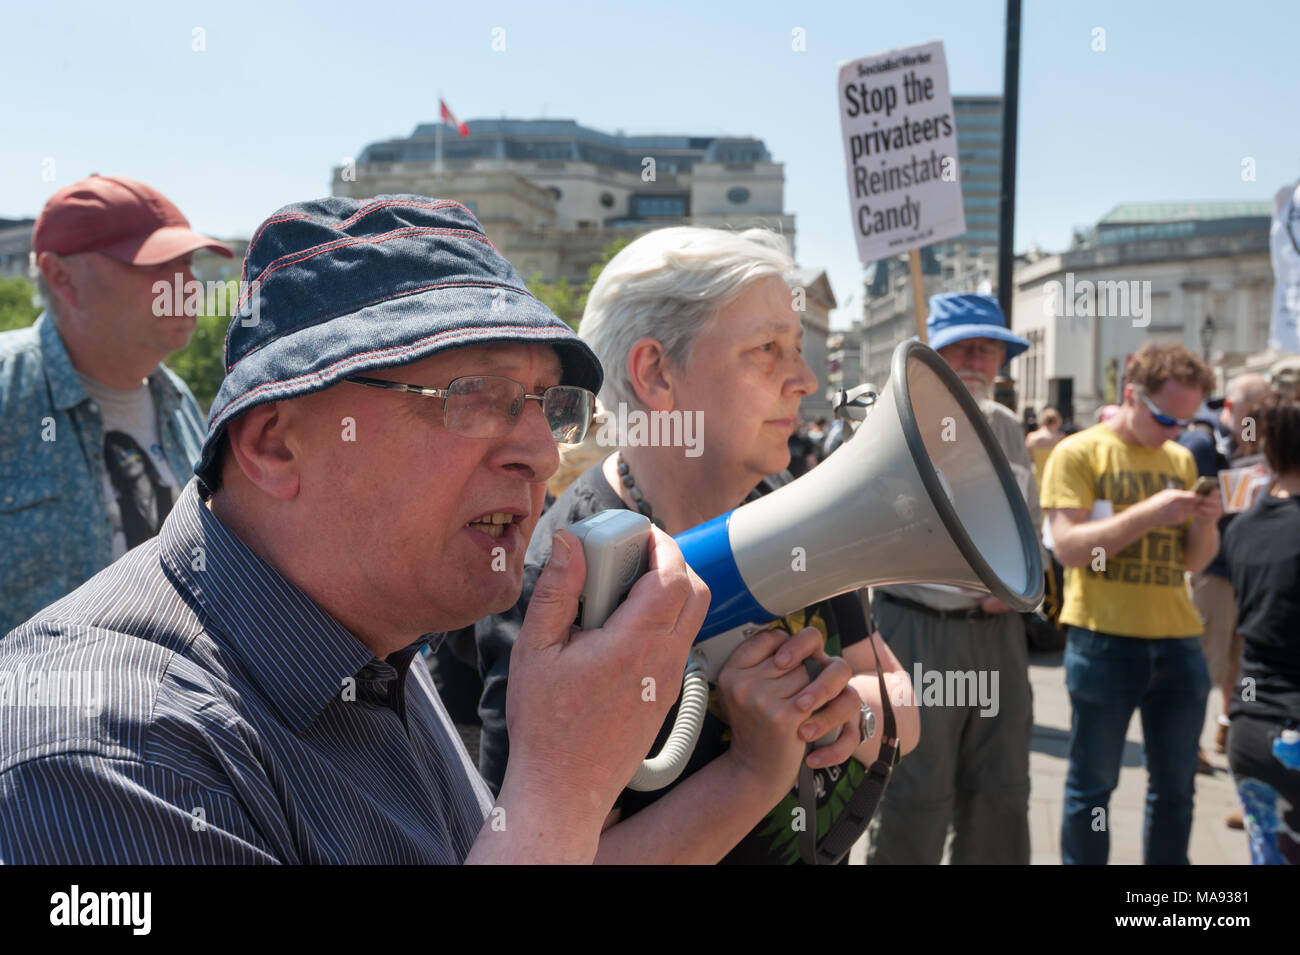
{"type": "Point", "coordinates": [667, 285]}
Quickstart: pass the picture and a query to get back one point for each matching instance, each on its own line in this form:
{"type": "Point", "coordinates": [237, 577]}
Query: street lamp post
{"type": "Point", "coordinates": [1207, 337]}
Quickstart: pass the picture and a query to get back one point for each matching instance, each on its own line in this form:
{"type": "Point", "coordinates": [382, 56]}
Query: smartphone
{"type": "Point", "coordinates": [1204, 485]}
{"type": "Point", "coordinates": [616, 546]}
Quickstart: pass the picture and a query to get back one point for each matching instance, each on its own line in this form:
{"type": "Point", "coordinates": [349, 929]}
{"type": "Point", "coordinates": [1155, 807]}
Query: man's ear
{"type": "Point", "coordinates": [60, 278]}
{"type": "Point", "coordinates": [261, 450]}
{"type": "Point", "coordinates": [651, 374]}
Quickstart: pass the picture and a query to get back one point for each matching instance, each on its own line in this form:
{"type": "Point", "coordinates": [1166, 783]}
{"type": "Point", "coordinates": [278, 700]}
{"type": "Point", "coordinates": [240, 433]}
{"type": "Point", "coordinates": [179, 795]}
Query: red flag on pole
{"type": "Point", "coordinates": [449, 117]}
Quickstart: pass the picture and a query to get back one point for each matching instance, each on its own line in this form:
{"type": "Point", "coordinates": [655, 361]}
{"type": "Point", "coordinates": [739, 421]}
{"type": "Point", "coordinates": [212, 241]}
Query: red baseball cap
{"type": "Point", "coordinates": [122, 218]}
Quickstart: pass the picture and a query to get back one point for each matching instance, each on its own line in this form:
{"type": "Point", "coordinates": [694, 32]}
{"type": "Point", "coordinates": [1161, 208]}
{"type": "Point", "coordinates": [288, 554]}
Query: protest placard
{"type": "Point", "coordinates": [1240, 486]}
{"type": "Point", "coordinates": [900, 150]}
{"type": "Point", "coordinates": [1284, 244]}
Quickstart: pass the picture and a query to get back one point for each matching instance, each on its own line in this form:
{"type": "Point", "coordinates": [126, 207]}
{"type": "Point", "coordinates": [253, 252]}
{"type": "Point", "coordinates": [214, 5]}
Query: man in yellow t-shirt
{"type": "Point", "coordinates": [1127, 525]}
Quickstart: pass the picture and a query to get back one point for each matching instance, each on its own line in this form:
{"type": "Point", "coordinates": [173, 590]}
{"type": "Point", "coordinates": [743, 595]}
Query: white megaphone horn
{"type": "Point", "coordinates": [921, 493]}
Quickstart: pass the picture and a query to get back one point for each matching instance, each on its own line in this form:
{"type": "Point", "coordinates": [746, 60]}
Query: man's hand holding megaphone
{"type": "Point", "coordinates": [568, 687]}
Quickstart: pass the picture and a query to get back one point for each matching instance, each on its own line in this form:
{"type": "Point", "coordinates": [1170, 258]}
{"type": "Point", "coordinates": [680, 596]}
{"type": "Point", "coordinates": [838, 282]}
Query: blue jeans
{"type": "Point", "coordinates": [1108, 677]}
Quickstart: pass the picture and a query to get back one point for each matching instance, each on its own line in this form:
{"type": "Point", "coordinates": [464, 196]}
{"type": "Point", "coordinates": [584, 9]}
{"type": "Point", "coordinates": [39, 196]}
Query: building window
{"type": "Point", "coordinates": [557, 194]}
{"type": "Point", "coordinates": [739, 195]}
{"type": "Point", "coordinates": [658, 207]}
{"type": "Point", "coordinates": [607, 200]}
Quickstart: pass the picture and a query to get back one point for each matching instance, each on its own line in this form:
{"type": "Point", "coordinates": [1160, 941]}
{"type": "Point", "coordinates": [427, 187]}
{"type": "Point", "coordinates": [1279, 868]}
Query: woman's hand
{"type": "Point", "coordinates": [770, 704]}
{"type": "Point", "coordinates": [898, 687]}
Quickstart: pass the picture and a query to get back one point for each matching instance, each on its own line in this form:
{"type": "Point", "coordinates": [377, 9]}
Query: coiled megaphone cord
{"type": "Point", "coordinates": [658, 771]}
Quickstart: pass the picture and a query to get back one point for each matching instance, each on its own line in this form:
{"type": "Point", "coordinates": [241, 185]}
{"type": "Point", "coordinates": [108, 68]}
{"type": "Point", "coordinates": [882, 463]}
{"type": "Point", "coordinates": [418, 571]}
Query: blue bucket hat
{"type": "Point", "coordinates": [956, 316]}
{"type": "Point", "coordinates": [339, 287]}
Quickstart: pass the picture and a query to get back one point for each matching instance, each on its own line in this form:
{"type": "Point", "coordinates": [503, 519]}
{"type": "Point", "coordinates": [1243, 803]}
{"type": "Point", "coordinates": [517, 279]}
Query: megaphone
{"type": "Point", "coordinates": [921, 493]}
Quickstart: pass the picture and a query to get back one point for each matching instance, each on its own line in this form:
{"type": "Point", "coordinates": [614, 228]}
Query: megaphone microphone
{"type": "Point", "coordinates": [920, 493]}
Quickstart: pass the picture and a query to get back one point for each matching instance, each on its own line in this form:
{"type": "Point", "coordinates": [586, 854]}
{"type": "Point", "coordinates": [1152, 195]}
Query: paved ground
{"type": "Point", "coordinates": [1212, 842]}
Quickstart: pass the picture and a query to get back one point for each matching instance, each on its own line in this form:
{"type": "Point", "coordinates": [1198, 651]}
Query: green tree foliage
{"type": "Point", "coordinates": [611, 250]}
{"type": "Point", "coordinates": [16, 308]}
{"type": "Point", "coordinates": [560, 297]}
{"type": "Point", "coordinates": [568, 301]}
{"type": "Point", "coordinates": [201, 363]}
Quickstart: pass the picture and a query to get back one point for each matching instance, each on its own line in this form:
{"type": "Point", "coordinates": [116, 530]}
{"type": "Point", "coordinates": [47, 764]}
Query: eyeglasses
{"type": "Point", "coordinates": [485, 406]}
{"type": "Point", "coordinates": [1161, 418]}
{"type": "Point", "coordinates": [984, 347]}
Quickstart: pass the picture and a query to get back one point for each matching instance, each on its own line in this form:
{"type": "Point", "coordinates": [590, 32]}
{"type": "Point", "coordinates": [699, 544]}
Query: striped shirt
{"type": "Point", "coordinates": [189, 705]}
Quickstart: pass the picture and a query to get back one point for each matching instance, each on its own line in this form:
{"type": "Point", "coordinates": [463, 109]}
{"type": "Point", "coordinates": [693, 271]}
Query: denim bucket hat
{"type": "Point", "coordinates": [956, 316]}
{"type": "Point", "coordinates": [339, 287]}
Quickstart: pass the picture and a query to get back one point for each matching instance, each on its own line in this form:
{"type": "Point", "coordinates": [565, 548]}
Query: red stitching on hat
{"type": "Point", "coordinates": [335, 244]}
{"type": "Point", "coordinates": [395, 352]}
{"type": "Point", "coordinates": [263, 227]}
{"type": "Point", "coordinates": [363, 211]}
{"type": "Point", "coordinates": [366, 210]}
{"type": "Point", "coordinates": [386, 298]}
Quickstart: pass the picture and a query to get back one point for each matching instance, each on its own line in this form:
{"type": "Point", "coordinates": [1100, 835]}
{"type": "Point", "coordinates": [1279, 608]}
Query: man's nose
{"type": "Point", "coordinates": [532, 445]}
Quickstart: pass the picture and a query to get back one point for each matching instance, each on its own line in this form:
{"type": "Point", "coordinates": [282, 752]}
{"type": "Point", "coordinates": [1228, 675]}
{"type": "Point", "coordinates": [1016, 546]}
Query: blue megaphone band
{"type": "Point", "coordinates": [707, 548]}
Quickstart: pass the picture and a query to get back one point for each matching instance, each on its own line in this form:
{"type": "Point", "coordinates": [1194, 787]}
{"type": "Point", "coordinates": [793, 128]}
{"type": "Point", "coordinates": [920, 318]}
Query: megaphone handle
{"type": "Point", "coordinates": [846, 830]}
{"type": "Point", "coordinates": [814, 670]}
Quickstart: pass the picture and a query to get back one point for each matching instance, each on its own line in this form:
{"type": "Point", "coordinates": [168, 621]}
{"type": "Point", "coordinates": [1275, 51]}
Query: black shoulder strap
{"type": "Point", "coordinates": [846, 830]}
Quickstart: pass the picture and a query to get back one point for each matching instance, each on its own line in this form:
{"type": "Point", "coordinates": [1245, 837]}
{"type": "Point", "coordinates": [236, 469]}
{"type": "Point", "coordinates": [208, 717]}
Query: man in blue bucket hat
{"type": "Point", "coordinates": [969, 330]}
{"type": "Point", "coordinates": [961, 316]}
{"type": "Point", "coordinates": [968, 657]}
{"type": "Point", "coordinates": [240, 688]}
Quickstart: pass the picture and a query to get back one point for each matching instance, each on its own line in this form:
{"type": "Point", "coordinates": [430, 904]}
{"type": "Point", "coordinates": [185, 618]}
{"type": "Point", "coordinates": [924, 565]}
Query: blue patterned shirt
{"type": "Point", "coordinates": [55, 530]}
{"type": "Point", "coordinates": [189, 705]}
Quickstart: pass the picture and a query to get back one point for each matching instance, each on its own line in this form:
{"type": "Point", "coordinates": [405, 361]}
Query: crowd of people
{"type": "Point", "coordinates": [295, 611]}
{"type": "Point", "coordinates": [1133, 503]}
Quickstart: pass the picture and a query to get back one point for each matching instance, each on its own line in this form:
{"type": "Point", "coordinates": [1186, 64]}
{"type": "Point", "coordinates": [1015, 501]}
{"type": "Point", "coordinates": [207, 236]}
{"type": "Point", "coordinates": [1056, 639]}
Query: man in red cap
{"type": "Point", "coordinates": [96, 435]}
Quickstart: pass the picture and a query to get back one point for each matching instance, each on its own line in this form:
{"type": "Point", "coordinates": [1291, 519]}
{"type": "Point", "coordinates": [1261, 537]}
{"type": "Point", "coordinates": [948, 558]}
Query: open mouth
{"type": "Point", "coordinates": [494, 524]}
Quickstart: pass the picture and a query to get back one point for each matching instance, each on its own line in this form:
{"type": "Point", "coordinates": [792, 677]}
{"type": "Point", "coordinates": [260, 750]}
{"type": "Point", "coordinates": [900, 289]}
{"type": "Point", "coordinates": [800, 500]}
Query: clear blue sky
{"type": "Point", "coordinates": [285, 91]}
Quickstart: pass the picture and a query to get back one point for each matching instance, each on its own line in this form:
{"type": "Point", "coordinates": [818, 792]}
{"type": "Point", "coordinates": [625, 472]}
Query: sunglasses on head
{"type": "Point", "coordinates": [1168, 421]}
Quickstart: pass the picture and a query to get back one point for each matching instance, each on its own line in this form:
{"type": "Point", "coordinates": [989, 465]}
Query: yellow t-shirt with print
{"type": "Point", "coordinates": [1141, 591]}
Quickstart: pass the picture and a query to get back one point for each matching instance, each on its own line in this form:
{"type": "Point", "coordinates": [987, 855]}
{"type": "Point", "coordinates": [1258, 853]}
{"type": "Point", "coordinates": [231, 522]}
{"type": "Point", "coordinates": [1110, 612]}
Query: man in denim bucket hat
{"type": "Point", "coordinates": [374, 466]}
{"type": "Point", "coordinates": [972, 770]}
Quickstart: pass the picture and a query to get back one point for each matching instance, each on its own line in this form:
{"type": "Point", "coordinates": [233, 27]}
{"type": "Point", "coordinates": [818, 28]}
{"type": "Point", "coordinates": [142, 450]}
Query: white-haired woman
{"type": "Point", "coordinates": [700, 326]}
